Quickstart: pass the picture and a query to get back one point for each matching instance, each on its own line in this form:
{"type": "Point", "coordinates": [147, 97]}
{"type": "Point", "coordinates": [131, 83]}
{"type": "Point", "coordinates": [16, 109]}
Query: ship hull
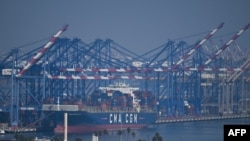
{"type": "Point", "coordinates": [84, 122]}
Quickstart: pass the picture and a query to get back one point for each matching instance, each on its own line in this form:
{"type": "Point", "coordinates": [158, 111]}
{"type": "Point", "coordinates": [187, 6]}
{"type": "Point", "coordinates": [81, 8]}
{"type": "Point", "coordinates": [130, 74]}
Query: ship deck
{"type": "Point", "coordinates": [94, 109]}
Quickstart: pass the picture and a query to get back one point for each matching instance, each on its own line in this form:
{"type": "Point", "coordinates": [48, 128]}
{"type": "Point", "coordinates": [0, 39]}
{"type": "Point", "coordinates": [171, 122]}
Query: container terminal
{"type": "Point", "coordinates": [177, 81]}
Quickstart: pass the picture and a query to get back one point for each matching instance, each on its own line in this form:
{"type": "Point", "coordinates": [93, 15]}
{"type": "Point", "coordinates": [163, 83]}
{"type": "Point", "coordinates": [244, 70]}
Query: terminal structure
{"type": "Point", "coordinates": [201, 79]}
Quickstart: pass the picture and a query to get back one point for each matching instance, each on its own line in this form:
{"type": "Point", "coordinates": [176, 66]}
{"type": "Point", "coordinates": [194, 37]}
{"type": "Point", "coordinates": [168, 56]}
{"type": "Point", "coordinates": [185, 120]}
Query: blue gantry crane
{"type": "Point", "coordinates": [187, 80]}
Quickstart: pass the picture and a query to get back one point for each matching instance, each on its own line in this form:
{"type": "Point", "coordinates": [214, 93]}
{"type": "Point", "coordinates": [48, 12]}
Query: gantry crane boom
{"type": "Point", "coordinates": [225, 45]}
{"type": "Point", "coordinates": [235, 75]}
{"type": "Point", "coordinates": [198, 45]}
{"type": "Point", "coordinates": [42, 51]}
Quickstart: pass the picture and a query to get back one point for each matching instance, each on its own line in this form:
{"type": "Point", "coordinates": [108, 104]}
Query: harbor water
{"type": "Point", "coordinates": [181, 131]}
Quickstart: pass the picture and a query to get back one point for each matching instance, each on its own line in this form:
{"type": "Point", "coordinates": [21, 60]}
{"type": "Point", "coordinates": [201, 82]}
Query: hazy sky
{"type": "Point", "coordinates": [138, 25]}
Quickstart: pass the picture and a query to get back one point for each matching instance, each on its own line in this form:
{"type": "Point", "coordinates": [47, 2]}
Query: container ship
{"type": "Point", "coordinates": [115, 107]}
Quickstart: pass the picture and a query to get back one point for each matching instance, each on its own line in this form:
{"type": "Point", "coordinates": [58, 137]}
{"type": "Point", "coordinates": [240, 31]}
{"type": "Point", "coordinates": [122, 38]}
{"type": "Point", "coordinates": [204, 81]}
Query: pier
{"type": "Point", "coordinates": [163, 120]}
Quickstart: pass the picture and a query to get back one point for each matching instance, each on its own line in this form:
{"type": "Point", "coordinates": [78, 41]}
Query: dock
{"type": "Point", "coordinates": [163, 120]}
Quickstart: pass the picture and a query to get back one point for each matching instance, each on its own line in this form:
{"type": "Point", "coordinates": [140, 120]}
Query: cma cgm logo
{"type": "Point", "coordinates": [115, 118]}
{"type": "Point", "coordinates": [240, 132]}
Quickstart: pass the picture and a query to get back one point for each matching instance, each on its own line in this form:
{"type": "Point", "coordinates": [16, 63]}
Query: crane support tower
{"type": "Point", "coordinates": [16, 82]}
